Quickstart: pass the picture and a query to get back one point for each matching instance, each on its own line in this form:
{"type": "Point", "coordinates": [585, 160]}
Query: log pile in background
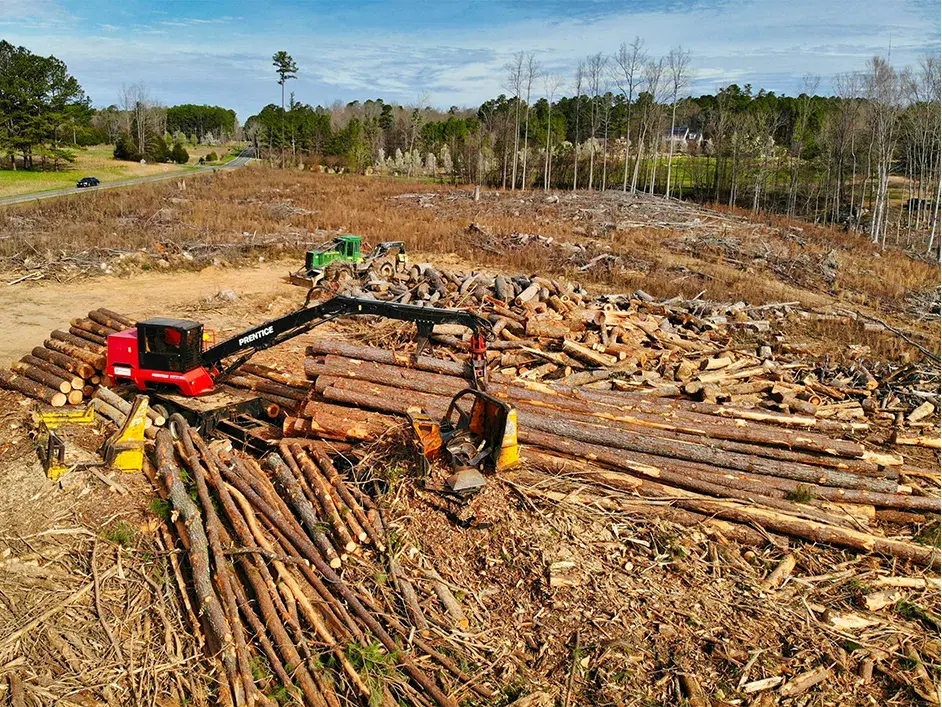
{"type": "Point", "coordinates": [789, 474]}
{"type": "Point", "coordinates": [266, 545]}
{"type": "Point", "coordinates": [550, 330]}
{"type": "Point", "coordinates": [68, 367]}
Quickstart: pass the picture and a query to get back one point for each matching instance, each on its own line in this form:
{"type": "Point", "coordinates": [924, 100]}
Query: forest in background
{"type": "Point", "coordinates": [866, 157]}
{"type": "Point", "coordinates": [852, 158]}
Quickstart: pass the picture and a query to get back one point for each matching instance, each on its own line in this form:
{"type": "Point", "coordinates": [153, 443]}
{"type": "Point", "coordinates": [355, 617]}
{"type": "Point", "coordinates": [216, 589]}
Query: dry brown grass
{"type": "Point", "coordinates": [222, 207]}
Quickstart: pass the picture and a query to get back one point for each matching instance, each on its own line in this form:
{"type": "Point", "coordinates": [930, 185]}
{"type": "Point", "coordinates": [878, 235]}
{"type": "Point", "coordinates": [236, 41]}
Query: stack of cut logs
{"type": "Point", "coordinates": [66, 369]}
{"type": "Point", "coordinates": [281, 392]}
{"type": "Point", "coordinates": [550, 330]}
{"type": "Point", "coordinates": [789, 474]}
{"type": "Point", "coordinates": [266, 546]}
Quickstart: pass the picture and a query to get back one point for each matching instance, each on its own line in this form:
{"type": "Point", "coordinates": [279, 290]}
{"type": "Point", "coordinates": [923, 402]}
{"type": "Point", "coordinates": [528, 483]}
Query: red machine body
{"type": "Point", "coordinates": [125, 359]}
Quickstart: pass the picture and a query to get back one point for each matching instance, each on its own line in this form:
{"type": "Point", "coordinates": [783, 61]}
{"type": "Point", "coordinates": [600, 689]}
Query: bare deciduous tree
{"type": "Point", "coordinates": [551, 83]}
{"type": "Point", "coordinates": [653, 86]}
{"type": "Point", "coordinates": [531, 70]}
{"type": "Point", "coordinates": [580, 75]}
{"type": "Point", "coordinates": [884, 99]}
{"type": "Point", "coordinates": [595, 72]}
{"type": "Point", "coordinates": [629, 63]}
{"type": "Point", "coordinates": [513, 82]}
{"type": "Point", "coordinates": [678, 65]}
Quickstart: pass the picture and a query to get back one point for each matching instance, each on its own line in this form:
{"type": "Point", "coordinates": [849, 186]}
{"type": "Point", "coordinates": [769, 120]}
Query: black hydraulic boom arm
{"type": "Point", "coordinates": [302, 320]}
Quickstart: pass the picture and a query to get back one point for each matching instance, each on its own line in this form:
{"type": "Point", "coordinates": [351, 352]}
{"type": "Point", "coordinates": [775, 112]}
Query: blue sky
{"type": "Point", "coordinates": [219, 51]}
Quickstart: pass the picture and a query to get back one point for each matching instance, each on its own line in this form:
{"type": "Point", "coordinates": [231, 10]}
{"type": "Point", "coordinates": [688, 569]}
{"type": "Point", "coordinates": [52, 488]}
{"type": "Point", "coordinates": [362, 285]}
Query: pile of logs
{"type": "Point", "coordinates": [281, 392]}
{"type": "Point", "coordinates": [797, 475]}
{"type": "Point", "coordinates": [549, 330]}
{"type": "Point", "coordinates": [66, 369]}
{"type": "Point", "coordinates": [266, 545]}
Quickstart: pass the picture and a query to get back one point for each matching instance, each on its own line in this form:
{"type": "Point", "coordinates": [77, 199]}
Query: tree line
{"type": "Point", "coordinates": [628, 122]}
{"type": "Point", "coordinates": [45, 116]}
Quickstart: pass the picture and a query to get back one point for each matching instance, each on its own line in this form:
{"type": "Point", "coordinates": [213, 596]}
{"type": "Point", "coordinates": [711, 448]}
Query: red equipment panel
{"type": "Point", "coordinates": [124, 364]}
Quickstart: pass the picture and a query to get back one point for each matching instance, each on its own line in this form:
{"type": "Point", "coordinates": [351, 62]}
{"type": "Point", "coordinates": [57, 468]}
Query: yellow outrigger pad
{"type": "Point", "coordinates": [52, 418]}
{"type": "Point", "coordinates": [53, 425]}
{"type": "Point", "coordinates": [125, 449]}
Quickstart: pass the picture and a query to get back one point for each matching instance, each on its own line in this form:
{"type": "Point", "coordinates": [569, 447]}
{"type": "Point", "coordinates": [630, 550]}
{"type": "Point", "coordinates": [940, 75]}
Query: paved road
{"type": "Point", "coordinates": [243, 159]}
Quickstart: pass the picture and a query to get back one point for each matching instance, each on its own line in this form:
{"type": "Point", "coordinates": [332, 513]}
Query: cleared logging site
{"type": "Point", "coordinates": [718, 481]}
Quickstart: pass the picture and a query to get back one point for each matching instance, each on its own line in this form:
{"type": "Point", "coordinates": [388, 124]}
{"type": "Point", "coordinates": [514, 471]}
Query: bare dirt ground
{"type": "Point", "coordinates": [33, 309]}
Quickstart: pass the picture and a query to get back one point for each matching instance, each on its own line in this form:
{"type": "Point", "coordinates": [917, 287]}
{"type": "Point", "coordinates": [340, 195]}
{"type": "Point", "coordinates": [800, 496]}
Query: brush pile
{"type": "Point", "coordinates": [286, 576]}
{"type": "Point", "coordinates": [713, 352]}
{"type": "Point", "coordinates": [66, 369]}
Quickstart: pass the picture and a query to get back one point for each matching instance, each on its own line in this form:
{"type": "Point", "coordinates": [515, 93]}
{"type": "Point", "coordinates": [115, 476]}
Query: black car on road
{"type": "Point", "coordinates": [87, 182]}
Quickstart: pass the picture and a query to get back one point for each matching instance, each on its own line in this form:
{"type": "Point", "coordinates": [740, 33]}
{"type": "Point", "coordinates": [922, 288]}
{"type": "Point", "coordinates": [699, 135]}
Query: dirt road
{"type": "Point", "coordinates": [31, 310]}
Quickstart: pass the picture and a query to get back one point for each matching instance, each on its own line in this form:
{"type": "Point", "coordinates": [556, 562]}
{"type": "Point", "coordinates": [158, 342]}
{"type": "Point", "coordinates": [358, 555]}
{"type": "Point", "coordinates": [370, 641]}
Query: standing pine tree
{"type": "Point", "coordinates": [287, 69]}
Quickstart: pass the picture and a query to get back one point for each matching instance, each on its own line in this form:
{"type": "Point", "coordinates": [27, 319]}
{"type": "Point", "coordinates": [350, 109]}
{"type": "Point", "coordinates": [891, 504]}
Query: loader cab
{"type": "Point", "coordinates": [341, 248]}
{"type": "Point", "coordinates": [169, 344]}
{"type": "Point", "coordinates": [349, 247]}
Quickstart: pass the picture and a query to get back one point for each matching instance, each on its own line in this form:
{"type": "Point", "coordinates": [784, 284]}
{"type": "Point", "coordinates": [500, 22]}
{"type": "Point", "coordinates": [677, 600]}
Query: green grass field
{"type": "Point", "coordinates": [97, 161]}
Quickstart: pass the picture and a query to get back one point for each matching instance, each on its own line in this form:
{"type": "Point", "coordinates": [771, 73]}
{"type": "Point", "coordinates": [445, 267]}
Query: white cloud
{"type": "Point", "coordinates": [768, 43]}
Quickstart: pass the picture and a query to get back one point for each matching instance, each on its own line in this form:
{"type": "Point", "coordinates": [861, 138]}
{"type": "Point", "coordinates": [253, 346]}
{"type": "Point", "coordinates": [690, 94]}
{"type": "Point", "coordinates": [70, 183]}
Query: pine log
{"type": "Point", "coordinates": [109, 411]}
{"type": "Point", "coordinates": [689, 448]}
{"type": "Point", "coordinates": [75, 396]}
{"type": "Point", "coordinates": [50, 380]}
{"type": "Point", "coordinates": [325, 446]}
{"type": "Point", "coordinates": [667, 414]}
{"type": "Point", "coordinates": [409, 598]}
{"type": "Point", "coordinates": [120, 320]}
{"type": "Point", "coordinates": [88, 336]}
{"type": "Point", "coordinates": [929, 442]}
{"type": "Point", "coordinates": [33, 389]}
{"type": "Point", "coordinates": [753, 435]}
{"type": "Point", "coordinates": [712, 527]}
{"type": "Point", "coordinates": [79, 367]}
{"type": "Point", "coordinates": [597, 442]}
{"type": "Point", "coordinates": [78, 341]}
{"type": "Point", "coordinates": [263, 385]}
{"type": "Point", "coordinates": [345, 492]}
{"type": "Point", "coordinates": [283, 476]}
{"type": "Point", "coordinates": [752, 439]}
{"type": "Point", "coordinates": [311, 478]}
{"type": "Point", "coordinates": [276, 375]}
{"type": "Point", "coordinates": [587, 355]}
{"type": "Point", "coordinates": [303, 545]}
{"type": "Point", "coordinates": [337, 422]}
{"type": "Point", "coordinates": [288, 405]}
{"type": "Point", "coordinates": [503, 290]}
{"type": "Point", "coordinates": [234, 653]}
{"type": "Point", "coordinates": [77, 382]}
{"type": "Point", "coordinates": [198, 550]}
{"type": "Point", "coordinates": [332, 609]}
{"type": "Point", "coordinates": [528, 294]}
{"type": "Point", "coordinates": [814, 531]}
{"type": "Point", "coordinates": [115, 400]}
{"type": "Point", "coordinates": [322, 492]}
{"type": "Point", "coordinates": [367, 353]}
{"type": "Point", "coordinates": [549, 328]}
{"type": "Point", "coordinates": [97, 361]}
{"type": "Point", "coordinates": [93, 327]}
{"type": "Point", "coordinates": [587, 428]}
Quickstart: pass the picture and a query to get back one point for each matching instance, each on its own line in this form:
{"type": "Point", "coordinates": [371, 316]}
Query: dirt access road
{"type": "Point", "coordinates": [31, 310]}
